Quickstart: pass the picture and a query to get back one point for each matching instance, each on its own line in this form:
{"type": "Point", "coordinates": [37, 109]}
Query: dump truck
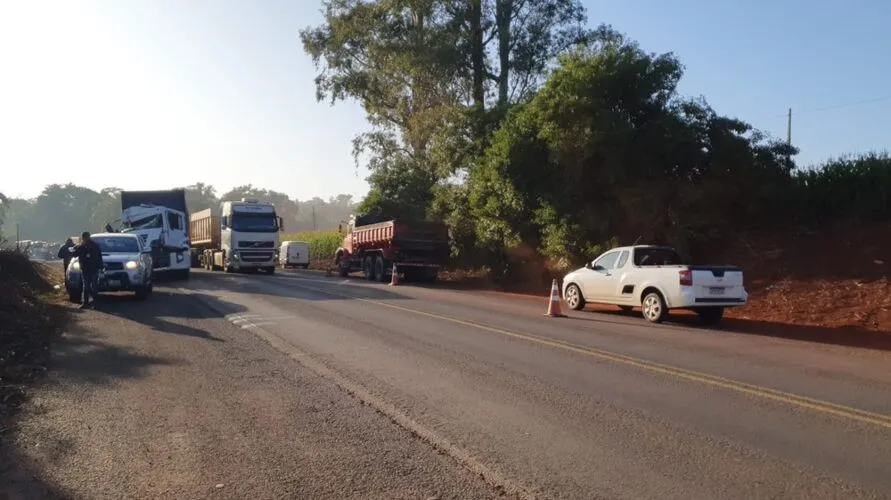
{"type": "Point", "coordinates": [378, 245]}
{"type": "Point", "coordinates": [244, 238]}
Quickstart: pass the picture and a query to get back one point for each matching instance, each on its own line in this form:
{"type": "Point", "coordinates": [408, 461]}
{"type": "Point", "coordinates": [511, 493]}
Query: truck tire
{"type": "Point", "coordinates": [653, 306]}
{"type": "Point", "coordinates": [368, 267]}
{"type": "Point", "coordinates": [380, 269]}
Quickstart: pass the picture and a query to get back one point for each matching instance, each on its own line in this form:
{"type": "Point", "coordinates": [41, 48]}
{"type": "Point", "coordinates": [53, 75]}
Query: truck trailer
{"type": "Point", "coordinates": [377, 245]}
{"type": "Point", "coordinates": [243, 238]}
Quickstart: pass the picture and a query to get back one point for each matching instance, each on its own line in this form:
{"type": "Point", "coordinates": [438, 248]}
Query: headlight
{"type": "Point", "coordinates": [75, 266]}
{"type": "Point", "coordinates": [132, 265]}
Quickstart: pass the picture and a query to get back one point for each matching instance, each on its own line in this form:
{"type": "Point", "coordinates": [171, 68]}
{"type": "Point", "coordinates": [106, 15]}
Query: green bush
{"type": "Point", "coordinates": [856, 187]}
{"type": "Point", "coordinates": [322, 244]}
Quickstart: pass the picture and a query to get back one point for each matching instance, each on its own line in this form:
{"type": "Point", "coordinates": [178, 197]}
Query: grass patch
{"type": "Point", "coordinates": [322, 245]}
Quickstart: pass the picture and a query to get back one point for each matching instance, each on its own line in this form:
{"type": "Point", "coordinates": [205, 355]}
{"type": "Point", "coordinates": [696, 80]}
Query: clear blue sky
{"type": "Point", "coordinates": [152, 94]}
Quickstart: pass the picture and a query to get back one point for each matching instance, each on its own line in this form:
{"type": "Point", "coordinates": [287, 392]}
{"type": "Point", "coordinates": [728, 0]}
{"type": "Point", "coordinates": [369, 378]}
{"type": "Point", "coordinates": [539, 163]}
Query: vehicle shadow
{"type": "Point", "coordinates": [840, 336]}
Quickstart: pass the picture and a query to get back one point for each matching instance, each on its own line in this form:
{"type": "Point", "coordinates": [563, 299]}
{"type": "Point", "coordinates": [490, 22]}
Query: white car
{"type": "Point", "coordinates": [128, 266]}
{"type": "Point", "coordinates": [654, 278]}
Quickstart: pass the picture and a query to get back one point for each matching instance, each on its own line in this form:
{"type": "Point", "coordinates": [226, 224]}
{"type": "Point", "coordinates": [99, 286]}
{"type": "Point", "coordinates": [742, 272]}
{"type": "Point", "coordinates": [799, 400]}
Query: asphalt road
{"type": "Point", "coordinates": [487, 397]}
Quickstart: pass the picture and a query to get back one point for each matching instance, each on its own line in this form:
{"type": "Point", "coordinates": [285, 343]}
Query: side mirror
{"type": "Point", "coordinates": [281, 224]}
{"type": "Point", "coordinates": [588, 265]}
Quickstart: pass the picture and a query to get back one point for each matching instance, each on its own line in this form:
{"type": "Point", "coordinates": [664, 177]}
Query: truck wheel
{"type": "Point", "coordinates": [380, 272]}
{"type": "Point", "coordinates": [711, 315]}
{"type": "Point", "coordinates": [574, 298]}
{"type": "Point", "coordinates": [368, 268]}
{"type": "Point", "coordinates": [653, 306]}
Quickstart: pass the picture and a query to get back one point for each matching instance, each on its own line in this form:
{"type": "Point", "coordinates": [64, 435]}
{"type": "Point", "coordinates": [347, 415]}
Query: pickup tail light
{"type": "Point", "coordinates": [685, 277]}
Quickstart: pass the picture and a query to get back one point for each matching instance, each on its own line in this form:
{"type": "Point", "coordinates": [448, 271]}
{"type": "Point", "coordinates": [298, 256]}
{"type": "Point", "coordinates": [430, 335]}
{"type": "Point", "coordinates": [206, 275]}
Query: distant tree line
{"type": "Point", "coordinates": [539, 139]}
{"type": "Point", "coordinates": [66, 210]}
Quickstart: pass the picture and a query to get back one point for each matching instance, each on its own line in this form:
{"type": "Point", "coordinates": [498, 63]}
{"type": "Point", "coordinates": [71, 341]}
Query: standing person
{"type": "Point", "coordinates": [66, 252]}
{"type": "Point", "coordinates": [89, 256]}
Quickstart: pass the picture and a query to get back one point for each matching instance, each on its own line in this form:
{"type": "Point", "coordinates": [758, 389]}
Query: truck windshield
{"type": "Point", "coordinates": [254, 223]}
{"type": "Point", "coordinates": [150, 222]}
{"type": "Point", "coordinates": [117, 244]}
{"type": "Point", "coordinates": [656, 256]}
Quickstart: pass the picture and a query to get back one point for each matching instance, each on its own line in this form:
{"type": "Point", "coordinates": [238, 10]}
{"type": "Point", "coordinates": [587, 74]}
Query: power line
{"type": "Point", "coordinates": [837, 106]}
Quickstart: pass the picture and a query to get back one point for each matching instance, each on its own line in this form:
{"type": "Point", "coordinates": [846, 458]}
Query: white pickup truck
{"type": "Point", "coordinates": [654, 278]}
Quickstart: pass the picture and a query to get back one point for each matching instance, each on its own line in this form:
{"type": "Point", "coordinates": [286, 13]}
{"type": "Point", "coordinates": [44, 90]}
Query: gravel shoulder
{"type": "Point", "coordinates": [165, 399]}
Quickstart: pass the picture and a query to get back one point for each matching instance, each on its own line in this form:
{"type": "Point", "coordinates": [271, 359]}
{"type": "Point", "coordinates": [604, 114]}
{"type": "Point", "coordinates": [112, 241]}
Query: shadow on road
{"type": "Point", "coordinates": [843, 336]}
{"type": "Point", "coordinates": [167, 310]}
{"type": "Point", "coordinates": [306, 286]}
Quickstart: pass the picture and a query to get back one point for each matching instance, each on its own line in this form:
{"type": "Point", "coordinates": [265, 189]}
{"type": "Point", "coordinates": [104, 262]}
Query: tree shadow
{"type": "Point", "coordinates": [156, 311]}
{"type": "Point", "coordinates": [314, 287]}
{"type": "Point", "coordinates": [840, 336]}
{"type": "Point", "coordinates": [79, 360]}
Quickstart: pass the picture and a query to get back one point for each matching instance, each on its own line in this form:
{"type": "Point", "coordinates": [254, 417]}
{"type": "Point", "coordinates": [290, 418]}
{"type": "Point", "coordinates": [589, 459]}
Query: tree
{"type": "Point", "coordinates": [423, 71]}
{"type": "Point", "coordinates": [286, 208]}
{"type": "Point", "coordinates": [608, 151]}
{"type": "Point", "coordinates": [4, 202]}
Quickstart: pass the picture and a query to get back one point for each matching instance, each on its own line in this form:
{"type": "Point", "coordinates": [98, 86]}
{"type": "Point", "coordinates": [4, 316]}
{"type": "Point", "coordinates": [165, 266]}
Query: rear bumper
{"type": "Point", "coordinates": [688, 300]}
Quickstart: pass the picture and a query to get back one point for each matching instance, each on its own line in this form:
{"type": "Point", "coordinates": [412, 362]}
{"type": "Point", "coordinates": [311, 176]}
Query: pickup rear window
{"type": "Point", "coordinates": [656, 256]}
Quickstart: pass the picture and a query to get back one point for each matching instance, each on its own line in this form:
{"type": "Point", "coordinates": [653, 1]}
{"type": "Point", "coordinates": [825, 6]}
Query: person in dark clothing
{"type": "Point", "coordinates": [66, 252]}
{"type": "Point", "coordinates": [89, 256]}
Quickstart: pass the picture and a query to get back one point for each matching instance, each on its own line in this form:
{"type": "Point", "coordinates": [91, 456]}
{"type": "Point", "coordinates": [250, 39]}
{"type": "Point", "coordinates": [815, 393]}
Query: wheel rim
{"type": "Point", "coordinates": [572, 296]}
{"type": "Point", "coordinates": [652, 307]}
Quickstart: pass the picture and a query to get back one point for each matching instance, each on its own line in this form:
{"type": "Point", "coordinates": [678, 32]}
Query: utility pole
{"type": "Point", "coordinates": [18, 240]}
{"type": "Point", "coordinates": [314, 227]}
{"type": "Point", "coordinates": [789, 128]}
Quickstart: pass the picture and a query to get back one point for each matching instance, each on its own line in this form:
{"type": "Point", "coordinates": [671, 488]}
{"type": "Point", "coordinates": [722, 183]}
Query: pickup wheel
{"type": "Point", "coordinates": [711, 315]}
{"type": "Point", "coordinates": [574, 298]}
{"type": "Point", "coordinates": [653, 306]}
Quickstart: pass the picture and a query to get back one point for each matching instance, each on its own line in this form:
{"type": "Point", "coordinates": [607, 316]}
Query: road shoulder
{"type": "Point", "coordinates": [166, 399]}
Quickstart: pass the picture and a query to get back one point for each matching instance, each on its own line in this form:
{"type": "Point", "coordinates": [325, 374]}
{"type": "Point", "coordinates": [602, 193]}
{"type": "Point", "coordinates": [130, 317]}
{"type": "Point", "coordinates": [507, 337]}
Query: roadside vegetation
{"type": "Point", "coordinates": [543, 142]}
{"type": "Point", "coordinates": [32, 313]}
{"type": "Point", "coordinates": [322, 245]}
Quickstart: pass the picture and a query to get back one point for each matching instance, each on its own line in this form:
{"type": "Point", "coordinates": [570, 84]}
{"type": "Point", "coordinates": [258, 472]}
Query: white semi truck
{"type": "Point", "coordinates": [159, 218]}
{"type": "Point", "coordinates": [245, 237]}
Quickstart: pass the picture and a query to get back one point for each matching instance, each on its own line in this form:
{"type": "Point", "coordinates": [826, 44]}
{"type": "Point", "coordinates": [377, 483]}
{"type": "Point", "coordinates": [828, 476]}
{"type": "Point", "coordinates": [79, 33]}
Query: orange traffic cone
{"type": "Point", "coordinates": [394, 278]}
{"type": "Point", "coordinates": [554, 309]}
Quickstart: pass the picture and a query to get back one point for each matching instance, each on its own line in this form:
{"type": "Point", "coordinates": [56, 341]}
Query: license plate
{"type": "Point", "coordinates": [114, 283]}
{"type": "Point", "coordinates": [716, 290]}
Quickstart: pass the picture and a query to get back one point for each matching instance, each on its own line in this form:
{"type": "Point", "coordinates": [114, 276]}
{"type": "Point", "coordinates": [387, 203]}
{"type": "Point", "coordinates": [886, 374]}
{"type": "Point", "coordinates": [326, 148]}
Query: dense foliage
{"type": "Point", "coordinates": [536, 139]}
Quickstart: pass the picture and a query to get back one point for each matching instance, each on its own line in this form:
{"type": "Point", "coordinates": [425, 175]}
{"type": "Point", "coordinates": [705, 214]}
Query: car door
{"type": "Point", "coordinates": [599, 278]}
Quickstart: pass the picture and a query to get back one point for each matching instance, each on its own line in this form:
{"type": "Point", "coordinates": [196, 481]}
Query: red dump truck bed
{"type": "Point", "coordinates": [406, 235]}
{"type": "Point", "coordinates": [204, 229]}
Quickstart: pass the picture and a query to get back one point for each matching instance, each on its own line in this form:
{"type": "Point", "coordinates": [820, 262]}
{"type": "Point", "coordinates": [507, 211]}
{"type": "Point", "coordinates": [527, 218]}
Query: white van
{"type": "Point", "coordinates": [294, 254]}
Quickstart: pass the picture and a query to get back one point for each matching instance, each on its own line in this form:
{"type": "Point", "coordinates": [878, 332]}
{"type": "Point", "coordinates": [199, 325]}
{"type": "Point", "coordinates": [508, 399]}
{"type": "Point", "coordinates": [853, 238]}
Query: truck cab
{"type": "Point", "coordinates": [159, 219]}
{"type": "Point", "coordinates": [249, 235]}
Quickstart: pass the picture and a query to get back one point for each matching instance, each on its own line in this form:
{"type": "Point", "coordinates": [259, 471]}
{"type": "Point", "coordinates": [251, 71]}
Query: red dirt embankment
{"type": "Point", "coordinates": [836, 278]}
{"type": "Point", "coordinates": [829, 286]}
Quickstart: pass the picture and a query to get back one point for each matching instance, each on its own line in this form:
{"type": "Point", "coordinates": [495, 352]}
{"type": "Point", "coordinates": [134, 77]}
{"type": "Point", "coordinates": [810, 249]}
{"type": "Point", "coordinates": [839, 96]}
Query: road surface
{"type": "Point", "coordinates": [467, 395]}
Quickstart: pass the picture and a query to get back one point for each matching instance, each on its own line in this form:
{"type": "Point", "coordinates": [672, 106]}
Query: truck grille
{"type": "Point", "coordinates": [256, 244]}
{"type": "Point", "coordinates": [255, 255]}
